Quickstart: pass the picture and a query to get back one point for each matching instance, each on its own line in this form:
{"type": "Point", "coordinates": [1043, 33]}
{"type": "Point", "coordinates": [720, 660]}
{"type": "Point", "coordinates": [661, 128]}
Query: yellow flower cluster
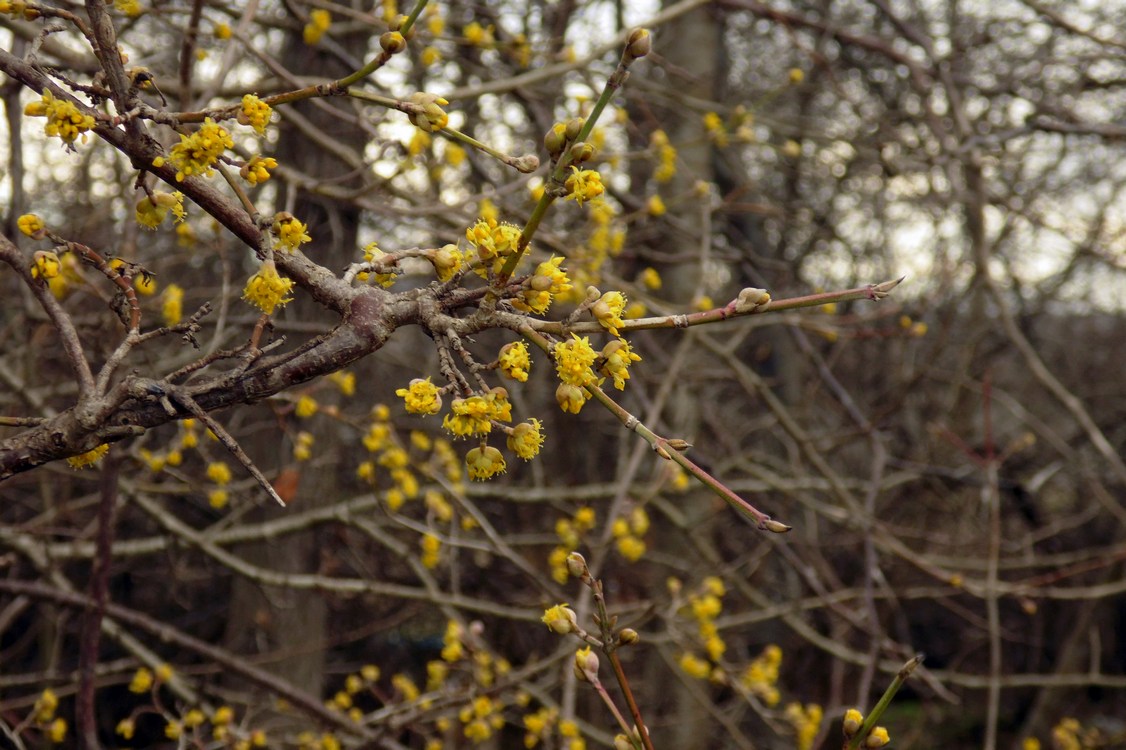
{"type": "Point", "coordinates": [806, 721]}
{"type": "Point", "coordinates": [471, 416]}
{"type": "Point", "coordinates": [481, 718]}
{"type": "Point", "coordinates": [666, 156]}
{"type": "Point", "coordinates": [560, 619]}
{"type": "Point", "coordinates": [267, 290]}
{"type": "Point", "coordinates": [30, 224]}
{"type": "Point", "coordinates": [525, 439]}
{"type": "Point", "coordinates": [570, 532]}
{"type": "Point", "coordinates": [484, 462]}
{"type": "Point", "coordinates": [421, 397]}
{"type": "Point", "coordinates": [172, 307]}
{"type": "Point", "coordinates": [255, 113]}
{"type": "Point", "coordinates": [43, 713]}
{"type": "Point", "coordinates": [716, 130]}
{"type": "Point", "coordinates": [429, 115]}
{"type": "Point", "coordinates": [617, 356]}
{"type": "Point", "coordinates": [151, 210]}
{"type": "Point", "coordinates": [431, 547]}
{"type": "Point", "coordinates": [573, 361]}
{"type": "Point", "coordinates": [584, 185]}
{"type": "Point", "coordinates": [257, 170]}
{"type": "Point", "coordinates": [89, 458]}
{"type": "Point", "coordinates": [64, 119]}
{"type": "Point", "coordinates": [380, 440]}
{"type": "Point", "coordinates": [290, 231]}
{"type": "Point", "coordinates": [514, 361]}
{"type": "Point", "coordinates": [319, 21]}
{"type": "Point", "coordinates": [306, 407]}
{"type": "Point", "coordinates": [761, 675]}
{"type": "Point", "coordinates": [607, 310]}
{"type": "Point", "coordinates": [480, 36]}
{"type": "Point", "coordinates": [538, 726]}
{"type": "Point", "coordinates": [628, 533]}
{"type": "Point", "coordinates": [197, 153]}
{"type": "Point", "coordinates": [45, 265]}
{"type": "Point", "coordinates": [447, 261]}
{"type": "Point", "coordinates": [303, 446]}
{"type": "Point", "coordinates": [494, 242]}
{"type": "Point", "coordinates": [372, 254]}
{"type": "Point", "coordinates": [542, 286]}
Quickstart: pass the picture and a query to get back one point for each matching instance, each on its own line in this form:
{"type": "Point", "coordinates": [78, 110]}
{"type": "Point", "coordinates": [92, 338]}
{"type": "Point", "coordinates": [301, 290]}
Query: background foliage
{"type": "Point", "coordinates": [949, 459]}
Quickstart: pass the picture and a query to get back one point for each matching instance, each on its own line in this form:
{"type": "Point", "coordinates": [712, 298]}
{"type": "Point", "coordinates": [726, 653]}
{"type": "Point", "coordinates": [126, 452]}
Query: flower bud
{"type": "Point", "coordinates": [392, 42]}
{"type": "Point", "coordinates": [751, 299]}
{"type": "Point", "coordinates": [852, 721]}
{"type": "Point", "coordinates": [878, 737]}
{"type": "Point", "coordinates": [581, 152]}
{"type": "Point", "coordinates": [628, 637]}
{"type": "Point", "coordinates": [586, 663]}
{"type": "Point", "coordinates": [526, 164]}
{"type": "Point", "coordinates": [561, 619]}
{"type": "Point", "coordinates": [639, 43]}
{"type": "Point", "coordinates": [576, 565]}
{"type": "Point", "coordinates": [621, 742]}
{"type": "Point", "coordinates": [555, 140]}
{"type": "Point", "coordinates": [776, 526]}
{"type": "Point", "coordinates": [573, 128]}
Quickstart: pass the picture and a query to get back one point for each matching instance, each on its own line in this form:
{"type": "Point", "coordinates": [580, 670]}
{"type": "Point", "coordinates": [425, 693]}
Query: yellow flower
{"type": "Point", "coordinates": [152, 210]}
{"type": "Point", "coordinates": [319, 21]}
{"type": "Point", "coordinates": [218, 499]}
{"type": "Point", "coordinates": [421, 397]}
{"type": "Point", "coordinates": [306, 407]}
{"type": "Point", "coordinates": [573, 360]}
{"type": "Point", "coordinates": [655, 206]}
{"type": "Point", "coordinates": [198, 152]}
{"type": "Point", "coordinates": [617, 357]}
{"type": "Point", "coordinates": [257, 170]}
{"type": "Point", "coordinates": [219, 473]}
{"type": "Point", "coordinates": [64, 119]}
{"type": "Point", "coordinates": [797, 75]}
{"type": "Point", "coordinates": [57, 731]}
{"type": "Point", "coordinates": [570, 398]}
{"type": "Point", "coordinates": [484, 463]}
{"type": "Point", "coordinates": [255, 113]}
{"type": "Point", "coordinates": [584, 185]}
{"type": "Point", "coordinates": [447, 261]}
{"type": "Point", "coordinates": [30, 224]}
{"type": "Point", "coordinates": [222, 31]}
{"type": "Point", "coordinates": [45, 706]}
{"type": "Point", "coordinates": [172, 307]}
{"type": "Point", "coordinates": [631, 548]}
{"type": "Point", "coordinates": [89, 458]}
{"type": "Point", "coordinates": [45, 265]}
{"type": "Point", "coordinates": [694, 666]}
{"type": "Point", "coordinates": [878, 737]}
{"type": "Point", "coordinates": [526, 439]}
{"type": "Point", "coordinates": [142, 681]}
{"type": "Point", "coordinates": [560, 619]}
{"type": "Point", "coordinates": [267, 289]}
{"type": "Point", "coordinates": [608, 311]}
{"type": "Point", "coordinates": [125, 728]}
{"type": "Point", "coordinates": [428, 114]}
{"type": "Point", "coordinates": [291, 232]}
{"type": "Point", "coordinates": [431, 547]}
{"type": "Point", "coordinates": [145, 285]}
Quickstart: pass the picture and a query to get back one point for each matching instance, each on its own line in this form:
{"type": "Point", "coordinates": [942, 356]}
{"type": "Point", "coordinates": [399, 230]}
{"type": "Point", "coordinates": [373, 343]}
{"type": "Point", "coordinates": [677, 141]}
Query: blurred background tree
{"type": "Point", "coordinates": [950, 459]}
